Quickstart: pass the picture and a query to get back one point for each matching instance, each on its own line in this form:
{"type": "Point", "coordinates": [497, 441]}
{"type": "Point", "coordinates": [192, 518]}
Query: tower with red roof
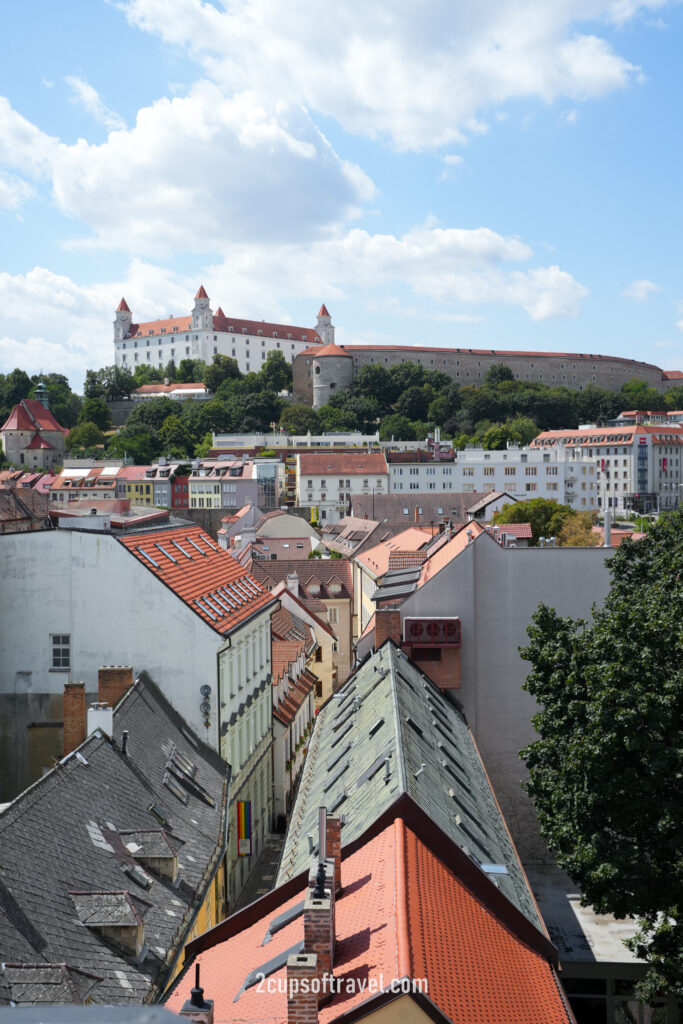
{"type": "Point", "coordinates": [202, 314]}
{"type": "Point", "coordinates": [324, 326]}
{"type": "Point", "coordinates": [123, 320]}
{"type": "Point", "coordinates": [31, 436]}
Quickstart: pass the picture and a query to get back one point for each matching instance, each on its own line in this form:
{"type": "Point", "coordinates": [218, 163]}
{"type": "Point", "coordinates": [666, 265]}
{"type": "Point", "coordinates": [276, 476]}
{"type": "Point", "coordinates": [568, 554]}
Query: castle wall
{"type": "Point", "coordinates": [469, 366]}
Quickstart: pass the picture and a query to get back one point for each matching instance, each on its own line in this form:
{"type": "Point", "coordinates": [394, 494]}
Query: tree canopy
{"type": "Point", "coordinates": [546, 517]}
{"type": "Point", "coordinates": [605, 773]}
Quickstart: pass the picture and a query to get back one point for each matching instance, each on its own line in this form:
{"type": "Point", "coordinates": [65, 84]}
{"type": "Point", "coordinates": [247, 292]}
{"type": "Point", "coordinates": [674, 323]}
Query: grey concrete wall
{"type": "Point", "coordinates": [495, 591]}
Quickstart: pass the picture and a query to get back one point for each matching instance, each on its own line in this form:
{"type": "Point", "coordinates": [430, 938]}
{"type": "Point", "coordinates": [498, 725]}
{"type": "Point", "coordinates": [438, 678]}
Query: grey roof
{"type": "Point", "coordinates": [88, 1015]}
{"type": "Point", "coordinates": [492, 496]}
{"type": "Point", "coordinates": [66, 863]}
{"type": "Point", "coordinates": [435, 506]}
{"type": "Point", "coordinates": [389, 709]}
{"type": "Point", "coordinates": [45, 983]}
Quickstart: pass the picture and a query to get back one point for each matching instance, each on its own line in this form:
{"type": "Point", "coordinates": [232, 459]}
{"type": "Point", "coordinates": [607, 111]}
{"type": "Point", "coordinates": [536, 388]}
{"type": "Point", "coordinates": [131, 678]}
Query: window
{"type": "Point", "coordinates": [510, 470]}
{"type": "Point", "coordinates": [332, 616]}
{"type": "Point", "coordinates": [60, 645]}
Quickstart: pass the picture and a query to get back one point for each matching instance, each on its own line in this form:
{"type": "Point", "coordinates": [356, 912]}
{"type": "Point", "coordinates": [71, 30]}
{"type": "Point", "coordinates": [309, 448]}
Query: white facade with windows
{"type": "Point", "coordinates": [561, 474]}
{"type": "Point", "coordinates": [638, 468]}
{"type": "Point", "coordinates": [202, 335]}
{"type": "Point", "coordinates": [327, 483]}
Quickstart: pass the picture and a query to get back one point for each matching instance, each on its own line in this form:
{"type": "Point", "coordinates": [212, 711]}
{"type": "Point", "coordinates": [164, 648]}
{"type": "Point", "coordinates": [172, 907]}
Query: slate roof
{"type": "Point", "coordinates": [210, 582]}
{"type": "Point", "coordinates": [488, 499]}
{"type": "Point", "coordinates": [66, 860]}
{"type": "Point", "coordinates": [422, 509]}
{"type": "Point", "coordinates": [45, 983]}
{"type": "Point", "coordinates": [405, 911]}
{"type": "Point", "coordinates": [389, 709]}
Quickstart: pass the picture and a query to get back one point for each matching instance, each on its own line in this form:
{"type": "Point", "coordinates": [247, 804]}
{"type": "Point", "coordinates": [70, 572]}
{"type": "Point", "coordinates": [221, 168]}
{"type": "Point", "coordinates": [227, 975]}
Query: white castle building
{"type": "Point", "coordinates": [204, 334]}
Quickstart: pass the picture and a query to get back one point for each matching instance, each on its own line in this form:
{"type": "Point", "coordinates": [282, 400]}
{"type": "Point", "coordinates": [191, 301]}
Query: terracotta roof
{"type": "Point", "coordinates": [39, 442]}
{"type": "Point", "coordinates": [377, 559]}
{"type": "Point", "coordinates": [30, 414]}
{"type": "Point", "coordinates": [178, 324]}
{"type": "Point", "coordinates": [672, 375]}
{"type": "Point", "coordinates": [201, 294]}
{"type": "Point", "coordinates": [219, 312]}
{"type": "Point", "coordinates": [449, 551]}
{"type": "Point", "coordinates": [315, 571]}
{"type": "Point", "coordinates": [595, 436]}
{"type": "Point", "coordinates": [323, 310]}
{"type": "Point", "coordinates": [164, 389]}
{"type": "Point", "coordinates": [201, 574]}
{"type": "Point", "coordinates": [332, 350]}
{"type": "Point", "coordinates": [281, 589]}
{"type": "Point", "coordinates": [403, 913]}
{"type": "Point", "coordinates": [123, 307]}
{"type": "Point", "coordinates": [502, 353]}
{"type": "Point", "coordinates": [521, 530]}
{"type": "Point", "coordinates": [347, 463]}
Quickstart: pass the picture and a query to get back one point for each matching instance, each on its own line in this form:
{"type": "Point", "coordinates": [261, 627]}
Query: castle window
{"type": "Point", "coordinates": [317, 369]}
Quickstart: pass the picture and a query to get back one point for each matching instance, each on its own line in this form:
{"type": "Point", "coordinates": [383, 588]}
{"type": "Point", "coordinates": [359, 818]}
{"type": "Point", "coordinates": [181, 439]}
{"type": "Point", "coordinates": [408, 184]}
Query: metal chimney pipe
{"type": "Point", "coordinates": [607, 543]}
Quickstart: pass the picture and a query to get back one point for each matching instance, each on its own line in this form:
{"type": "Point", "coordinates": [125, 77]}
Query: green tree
{"type": "Point", "coordinates": [547, 517]}
{"type": "Point", "coordinates": [497, 437]}
{"type": "Point", "coordinates": [15, 386]}
{"type": "Point", "coordinates": [577, 532]}
{"type": "Point", "coordinates": [497, 373]}
{"type": "Point", "coordinates": [276, 373]}
{"type": "Point", "coordinates": [299, 419]}
{"type": "Point", "coordinates": [191, 371]}
{"type": "Point", "coordinates": [222, 368]}
{"type": "Point", "coordinates": [406, 375]}
{"type": "Point", "coordinates": [176, 439]}
{"type": "Point", "coordinates": [111, 382]}
{"type": "Point", "coordinates": [85, 435]}
{"type": "Point", "coordinates": [374, 382]}
{"type": "Point", "coordinates": [95, 410]}
{"type": "Point", "coordinates": [140, 442]}
{"type": "Point", "coordinates": [65, 406]}
{"type": "Point", "coordinates": [146, 374]}
{"type": "Point", "coordinates": [414, 402]}
{"type": "Point", "coordinates": [398, 427]}
{"type": "Point", "coordinates": [152, 412]}
{"type": "Point", "coordinates": [605, 773]}
{"type": "Point", "coordinates": [640, 395]}
{"type": "Point", "coordinates": [204, 447]}
{"type": "Point", "coordinates": [522, 430]}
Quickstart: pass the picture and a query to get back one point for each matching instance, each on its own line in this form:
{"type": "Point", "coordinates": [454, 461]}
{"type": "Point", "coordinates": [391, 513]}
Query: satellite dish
{"type": "Point", "coordinates": [205, 707]}
{"type": "Point", "coordinates": [205, 690]}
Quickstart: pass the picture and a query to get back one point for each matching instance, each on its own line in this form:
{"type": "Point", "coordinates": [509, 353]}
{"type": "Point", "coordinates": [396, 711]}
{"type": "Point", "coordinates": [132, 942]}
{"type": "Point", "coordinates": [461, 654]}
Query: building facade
{"type": "Point", "coordinates": [31, 436]}
{"type": "Point", "coordinates": [326, 483]}
{"type": "Point", "coordinates": [565, 474]}
{"type": "Point", "coordinates": [204, 334]}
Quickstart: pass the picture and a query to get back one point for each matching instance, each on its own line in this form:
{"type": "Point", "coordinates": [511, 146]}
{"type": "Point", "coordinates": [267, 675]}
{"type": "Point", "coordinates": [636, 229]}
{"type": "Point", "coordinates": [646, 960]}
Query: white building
{"type": "Point", "coordinates": [564, 474]}
{"type": "Point", "coordinates": [204, 334]}
{"type": "Point", "coordinates": [326, 482]}
{"type": "Point", "coordinates": [638, 467]}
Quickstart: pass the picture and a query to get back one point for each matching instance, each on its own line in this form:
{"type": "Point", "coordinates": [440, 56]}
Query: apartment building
{"type": "Point", "coordinates": [327, 482]}
{"type": "Point", "coordinates": [566, 475]}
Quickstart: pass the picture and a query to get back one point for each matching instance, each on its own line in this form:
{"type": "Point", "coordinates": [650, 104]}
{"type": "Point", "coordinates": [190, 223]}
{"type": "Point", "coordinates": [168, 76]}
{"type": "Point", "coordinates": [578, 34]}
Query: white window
{"type": "Point", "coordinates": [60, 651]}
{"type": "Point", "coordinates": [333, 616]}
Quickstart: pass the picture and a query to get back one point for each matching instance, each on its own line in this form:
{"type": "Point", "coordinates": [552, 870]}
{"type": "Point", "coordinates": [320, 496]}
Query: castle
{"type": "Point", "coordinates": [204, 334]}
{"type": "Point", "coordinates": [320, 366]}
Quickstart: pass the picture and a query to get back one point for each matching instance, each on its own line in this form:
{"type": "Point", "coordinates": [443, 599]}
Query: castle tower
{"type": "Point", "coordinates": [202, 314]}
{"type": "Point", "coordinates": [41, 394]}
{"type": "Point", "coordinates": [331, 370]}
{"type": "Point", "coordinates": [324, 326]}
{"type": "Point", "coordinates": [124, 319]}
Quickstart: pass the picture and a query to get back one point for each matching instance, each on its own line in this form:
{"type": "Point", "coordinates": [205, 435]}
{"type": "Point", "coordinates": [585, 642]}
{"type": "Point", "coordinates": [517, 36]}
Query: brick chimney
{"type": "Point", "coordinates": [74, 716]}
{"type": "Point", "coordinates": [112, 683]}
{"type": "Point", "coordinates": [302, 999]}
{"type": "Point", "coordinates": [387, 626]}
{"type": "Point", "coordinates": [319, 937]}
{"type": "Point", "coordinates": [333, 850]}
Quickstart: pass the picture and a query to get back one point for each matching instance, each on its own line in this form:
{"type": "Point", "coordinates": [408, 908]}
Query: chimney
{"type": "Point", "coordinates": [319, 910]}
{"type": "Point", "coordinates": [293, 583]}
{"type": "Point", "coordinates": [101, 716]}
{"type": "Point", "coordinates": [302, 999]}
{"type": "Point", "coordinates": [74, 716]}
{"type": "Point", "coordinates": [197, 1008]}
{"type": "Point", "coordinates": [387, 626]}
{"type": "Point", "coordinates": [112, 683]}
{"type": "Point", "coordinates": [333, 849]}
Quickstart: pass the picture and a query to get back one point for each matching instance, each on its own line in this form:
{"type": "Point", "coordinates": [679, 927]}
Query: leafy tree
{"type": "Point", "coordinates": [176, 439]}
{"type": "Point", "coordinates": [605, 773]}
{"type": "Point", "coordinates": [85, 435]}
{"type": "Point", "coordinates": [140, 442]}
{"type": "Point", "coordinates": [222, 368]}
{"type": "Point", "coordinates": [299, 419]}
{"type": "Point", "coordinates": [204, 447]}
{"type": "Point", "coordinates": [111, 382]}
{"type": "Point", "coordinates": [375, 382]}
{"type": "Point", "coordinates": [146, 374]}
{"type": "Point", "coordinates": [577, 532]}
{"type": "Point", "coordinates": [546, 517]}
{"type": "Point", "coordinates": [15, 386]}
{"type": "Point", "coordinates": [95, 410]}
{"type": "Point", "coordinates": [640, 395]}
{"type": "Point", "coordinates": [152, 412]}
{"type": "Point", "coordinates": [406, 375]}
{"type": "Point", "coordinates": [522, 430]}
{"type": "Point", "coordinates": [171, 371]}
{"type": "Point", "coordinates": [398, 427]}
{"type": "Point", "coordinates": [276, 373]}
{"type": "Point", "coordinates": [65, 406]}
{"type": "Point", "coordinates": [191, 371]}
{"type": "Point", "coordinates": [497, 437]}
{"type": "Point", "coordinates": [497, 373]}
{"type": "Point", "coordinates": [439, 410]}
{"type": "Point", "coordinates": [414, 402]}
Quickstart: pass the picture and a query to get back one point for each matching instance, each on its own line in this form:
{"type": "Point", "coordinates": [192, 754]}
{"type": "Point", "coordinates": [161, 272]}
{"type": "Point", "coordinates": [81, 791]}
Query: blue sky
{"type": "Point", "coordinates": [498, 175]}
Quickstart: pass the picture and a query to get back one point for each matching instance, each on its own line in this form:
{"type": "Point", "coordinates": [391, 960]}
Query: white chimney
{"type": "Point", "coordinates": [101, 716]}
{"type": "Point", "coordinates": [293, 583]}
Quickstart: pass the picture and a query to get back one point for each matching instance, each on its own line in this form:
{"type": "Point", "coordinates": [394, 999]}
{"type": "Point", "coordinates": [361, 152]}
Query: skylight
{"type": "Point", "coordinates": [148, 557]}
{"type": "Point", "coordinates": [200, 550]}
{"type": "Point", "coordinates": [176, 788]}
{"type": "Point", "coordinates": [181, 549]}
{"type": "Point", "coordinates": [165, 552]}
{"type": "Point", "coordinates": [202, 607]}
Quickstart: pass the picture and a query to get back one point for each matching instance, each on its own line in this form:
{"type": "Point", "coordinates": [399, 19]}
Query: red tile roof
{"type": "Point", "coordinates": [503, 353]}
{"type": "Point", "coordinates": [403, 913]}
{"type": "Point", "coordinates": [672, 375]}
{"type": "Point", "coordinates": [448, 551]}
{"type": "Point", "coordinates": [323, 310]}
{"type": "Point", "coordinates": [201, 294]}
{"type": "Point", "coordinates": [332, 350]}
{"type": "Point", "coordinates": [163, 389]}
{"type": "Point", "coordinates": [38, 442]}
{"type": "Point", "coordinates": [378, 558]}
{"type": "Point", "coordinates": [347, 463]}
{"type": "Point", "coordinates": [201, 574]}
{"type": "Point", "coordinates": [178, 324]}
{"type": "Point", "coordinates": [123, 307]}
{"type": "Point", "coordinates": [521, 530]}
{"type": "Point", "coordinates": [30, 414]}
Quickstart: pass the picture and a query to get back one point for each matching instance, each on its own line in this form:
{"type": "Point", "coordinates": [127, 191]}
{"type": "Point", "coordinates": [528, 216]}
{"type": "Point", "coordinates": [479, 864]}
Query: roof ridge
{"type": "Point", "coordinates": [404, 958]}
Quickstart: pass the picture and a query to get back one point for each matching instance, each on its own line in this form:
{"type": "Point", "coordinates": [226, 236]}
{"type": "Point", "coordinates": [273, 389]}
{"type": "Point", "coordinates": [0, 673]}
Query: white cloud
{"type": "Point", "coordinates": [13, 192]}
{"type": "Point", "coordinates": [87, 97]}
{"type": "Point", "coordinates": [570, 116]}
{"type": "Point", "coordinates": [421, 76]}
{"type": "Point", "coordinates": [641, 290]}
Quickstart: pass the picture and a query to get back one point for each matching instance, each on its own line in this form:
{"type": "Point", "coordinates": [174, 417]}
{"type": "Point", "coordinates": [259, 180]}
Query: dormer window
{"type": "Point", "coordinates": [314, 587]}
{"type": "Point", "coordinates": [117, 917]}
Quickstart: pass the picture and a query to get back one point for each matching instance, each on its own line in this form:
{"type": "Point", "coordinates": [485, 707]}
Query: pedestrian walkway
{"type": "Point", "coordinates": [262, 877]}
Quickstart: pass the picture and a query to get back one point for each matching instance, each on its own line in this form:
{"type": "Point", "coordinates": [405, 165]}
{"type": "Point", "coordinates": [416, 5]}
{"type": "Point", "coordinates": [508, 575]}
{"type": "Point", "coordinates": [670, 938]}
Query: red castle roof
{"type": "Point", "coordinates": [123, 307]}
{"type": "Point", "coordinates": [30, 414]}
{"type": "Point", "coordinates": [201, 294]}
